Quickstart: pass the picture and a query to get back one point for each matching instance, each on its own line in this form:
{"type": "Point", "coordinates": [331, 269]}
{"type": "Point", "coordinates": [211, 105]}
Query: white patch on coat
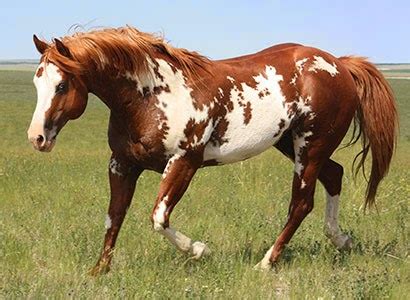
{"type": "Point", "coordinates": [331, 228]}
{"type": "Point", "coordinates": [299, 64]}
{"type": "Point", "coordinates": [247, 140]}
{"type": "Point", "coordinates": [178, 108]}
{"type": "Point", "coordinates": [294, 78]}
{"type": "Point", "coordinates": [145, 80]}
{"type": "Point", "coordinates": [108, 222]}
{"type": "Point", "coordinates": [299, 68]}
{"type": "Point", "coordinates": [114, 167]}
{"type": "Point", "coordinates": [300, 143]}
{"type": "Point", "coordinates": [46, 90]}
{"type": "Point", "coordinates": [303, 105]}
{"type": "Point", "coordinates": [312, 115]}
{"type": "Point", "coordinates": [205, 137]}
{"type": "Point", "coordinates": [302, 184]}
{"type": "Point", "coordinates": [321, 64]}
{"type": "Point", "coordinates": [221, 92]}
{"type": "Point", "coordinates": [162, 123]}
{"type": "Point", "coordinates": [159, 214]}
{"type": "Point", "coordinates": [169, 163]}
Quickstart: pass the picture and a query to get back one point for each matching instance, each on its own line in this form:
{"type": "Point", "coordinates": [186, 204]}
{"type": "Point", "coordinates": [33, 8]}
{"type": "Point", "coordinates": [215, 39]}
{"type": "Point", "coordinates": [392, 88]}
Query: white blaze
{"type": "Point", "coordinates": [46, 88]}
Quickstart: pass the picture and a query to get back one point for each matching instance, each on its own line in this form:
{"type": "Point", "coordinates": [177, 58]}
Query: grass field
{"type": "Point", "coordinates": [52, 210]}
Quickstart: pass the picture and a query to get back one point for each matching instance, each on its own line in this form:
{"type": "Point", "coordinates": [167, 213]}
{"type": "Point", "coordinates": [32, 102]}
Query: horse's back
{"type": "Point", "coordinates": [270, 50]}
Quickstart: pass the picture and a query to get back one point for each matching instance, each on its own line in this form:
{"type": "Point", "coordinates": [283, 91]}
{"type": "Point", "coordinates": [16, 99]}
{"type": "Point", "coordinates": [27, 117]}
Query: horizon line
{"type": "Point", "coordinates": [17, 61]}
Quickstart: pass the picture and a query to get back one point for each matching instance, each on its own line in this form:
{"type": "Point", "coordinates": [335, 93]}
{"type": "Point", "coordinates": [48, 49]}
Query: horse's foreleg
{"type": "Point", "coordinates": [175, 180]}
{"type": "Point", "coordinates": [123, 178]}
{"type": "Point", "coordinates": [331, 176]}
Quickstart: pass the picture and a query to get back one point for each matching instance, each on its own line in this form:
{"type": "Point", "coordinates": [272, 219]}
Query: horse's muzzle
{"type": "Point", "coordinates": [40, 143]}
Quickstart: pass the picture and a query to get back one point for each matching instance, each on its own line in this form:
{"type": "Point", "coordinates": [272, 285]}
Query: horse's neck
{"type": "Point", "coordinates": [119, 89]}
{"type": "Point", "coordinates": [114, 91]}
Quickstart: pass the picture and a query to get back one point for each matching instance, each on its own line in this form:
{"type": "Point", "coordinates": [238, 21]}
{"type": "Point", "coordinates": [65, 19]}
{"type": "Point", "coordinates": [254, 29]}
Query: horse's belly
{"type": "Point", "coordinates": [247, 136]}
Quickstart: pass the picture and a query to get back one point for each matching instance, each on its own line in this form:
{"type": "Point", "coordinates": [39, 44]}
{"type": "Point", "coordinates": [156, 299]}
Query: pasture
{"type": "Point", "coordinates": [52, 210]}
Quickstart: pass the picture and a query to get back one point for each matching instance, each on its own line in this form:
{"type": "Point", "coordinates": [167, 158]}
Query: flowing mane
{"type": "Point", "coordinates": [124, 49]}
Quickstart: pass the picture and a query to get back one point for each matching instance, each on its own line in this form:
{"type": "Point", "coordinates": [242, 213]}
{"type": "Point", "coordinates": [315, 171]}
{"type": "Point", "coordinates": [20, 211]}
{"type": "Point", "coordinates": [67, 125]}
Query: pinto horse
{"type": "Point", "coordinates": [174, 111]}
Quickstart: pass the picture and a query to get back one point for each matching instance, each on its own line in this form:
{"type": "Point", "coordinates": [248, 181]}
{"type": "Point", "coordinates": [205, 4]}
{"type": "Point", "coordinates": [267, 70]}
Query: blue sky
{"type": "Point", "coordinates": [218, 29]}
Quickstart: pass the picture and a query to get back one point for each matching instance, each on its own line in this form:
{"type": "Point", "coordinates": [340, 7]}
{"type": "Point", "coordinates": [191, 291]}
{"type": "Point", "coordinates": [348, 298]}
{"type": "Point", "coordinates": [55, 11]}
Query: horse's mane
{"type": "Point", "coordinates": [124, 49]}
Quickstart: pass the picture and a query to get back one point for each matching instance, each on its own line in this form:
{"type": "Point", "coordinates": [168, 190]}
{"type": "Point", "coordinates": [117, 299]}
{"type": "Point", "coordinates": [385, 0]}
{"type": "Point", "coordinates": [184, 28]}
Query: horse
{"type": "Point", "coordinates": [175, 111]}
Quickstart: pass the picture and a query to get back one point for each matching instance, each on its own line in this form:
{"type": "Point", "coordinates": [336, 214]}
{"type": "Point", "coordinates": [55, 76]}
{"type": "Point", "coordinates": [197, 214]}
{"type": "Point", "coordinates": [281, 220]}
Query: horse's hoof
{"type": "Point", "coordinates": [342, 242]}
{"type": "Point", "coordinates": [347, 244]}
{"type": "Point", "coordinates": [199, 250]}
{"type": "Point", "coordinates": [263, 265]}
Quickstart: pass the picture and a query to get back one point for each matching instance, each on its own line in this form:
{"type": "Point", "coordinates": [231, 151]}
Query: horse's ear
{"type": "Point", "coordinates": [40, 45]}
{"type": "Point", "coordinates": [62, 49]}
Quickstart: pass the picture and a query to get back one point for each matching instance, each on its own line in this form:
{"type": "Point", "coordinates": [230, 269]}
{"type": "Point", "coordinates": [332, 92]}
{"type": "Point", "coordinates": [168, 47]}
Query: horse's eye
{"type": "Point", "coordinates": [61, 87]}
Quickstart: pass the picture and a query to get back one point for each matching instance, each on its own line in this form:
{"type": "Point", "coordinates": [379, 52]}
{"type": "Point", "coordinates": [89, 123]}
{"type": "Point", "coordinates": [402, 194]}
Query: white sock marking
{"type": "Point", "coordinates": [332, 229]}
{"type": "Point", "coordinates": [265, 263]}
{"type": "Point", "coordinates": [184, 243]}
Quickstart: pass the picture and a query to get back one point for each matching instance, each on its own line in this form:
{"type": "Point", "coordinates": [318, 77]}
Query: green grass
{"type": "Point", "coordinates": [52, 210]}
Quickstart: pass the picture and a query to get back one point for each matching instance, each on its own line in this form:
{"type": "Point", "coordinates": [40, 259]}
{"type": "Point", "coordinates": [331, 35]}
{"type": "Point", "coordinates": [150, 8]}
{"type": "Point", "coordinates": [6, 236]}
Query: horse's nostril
{"type": "Point", "coordinates": [40, 139]}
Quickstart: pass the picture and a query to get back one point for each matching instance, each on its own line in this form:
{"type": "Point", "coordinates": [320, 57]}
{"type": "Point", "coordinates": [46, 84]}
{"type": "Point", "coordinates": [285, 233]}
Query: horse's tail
{"type": "Point", "coordinates": [375, 121]}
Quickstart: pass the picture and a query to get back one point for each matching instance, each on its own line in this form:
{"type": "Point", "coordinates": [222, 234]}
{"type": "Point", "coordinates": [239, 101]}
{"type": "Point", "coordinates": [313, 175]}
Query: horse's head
{"type": "Point", "coordinates": [61, 95]}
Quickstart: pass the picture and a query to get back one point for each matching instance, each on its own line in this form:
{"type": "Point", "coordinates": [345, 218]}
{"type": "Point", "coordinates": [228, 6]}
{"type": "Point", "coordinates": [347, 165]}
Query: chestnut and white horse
{"type": "Point", "coordinates": [174, 111]}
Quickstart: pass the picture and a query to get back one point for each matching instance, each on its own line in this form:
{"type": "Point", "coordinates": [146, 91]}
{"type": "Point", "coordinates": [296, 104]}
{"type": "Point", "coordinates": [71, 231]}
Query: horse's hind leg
{"type": "Point", "coordinates": [331, 177]}
{"type": "Point", "coordinates": [309, 158]}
